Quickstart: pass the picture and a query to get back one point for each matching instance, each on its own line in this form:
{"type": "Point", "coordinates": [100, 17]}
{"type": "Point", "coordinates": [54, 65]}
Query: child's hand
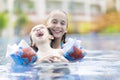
{"type": "Point", "coordinates": [52, 59]}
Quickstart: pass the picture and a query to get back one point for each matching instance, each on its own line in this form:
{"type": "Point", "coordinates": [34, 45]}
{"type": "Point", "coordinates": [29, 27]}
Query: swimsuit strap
{"type": "Point", "coordinates": [61, 44]}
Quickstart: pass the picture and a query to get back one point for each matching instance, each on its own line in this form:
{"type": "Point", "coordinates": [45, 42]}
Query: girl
{"type": "Point", "coordinates": [57, 23]}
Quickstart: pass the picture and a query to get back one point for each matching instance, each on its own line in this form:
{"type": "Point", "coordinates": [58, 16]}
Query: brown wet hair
{"type": "Point", "coordinates": [34, 46]}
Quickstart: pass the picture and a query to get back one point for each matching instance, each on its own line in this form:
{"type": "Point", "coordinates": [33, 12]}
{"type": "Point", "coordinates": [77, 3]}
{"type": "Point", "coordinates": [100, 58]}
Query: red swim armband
{"type": "Point", "coordinates": [74, 54]}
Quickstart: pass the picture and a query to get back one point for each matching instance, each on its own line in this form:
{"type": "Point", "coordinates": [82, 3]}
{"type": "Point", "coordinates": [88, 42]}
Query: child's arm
{"type": "Point", "coordinates": [51, 59]}
{"type": "Point", "coordinates": [56, 56]}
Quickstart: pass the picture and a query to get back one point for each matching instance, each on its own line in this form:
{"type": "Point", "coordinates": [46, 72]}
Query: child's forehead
{"type": "Point", "coordinates": [54, 14]}
{"type": "Point", "coordinates": [38, 26]}
{"type": "Point", "coordinates": [58, 16]}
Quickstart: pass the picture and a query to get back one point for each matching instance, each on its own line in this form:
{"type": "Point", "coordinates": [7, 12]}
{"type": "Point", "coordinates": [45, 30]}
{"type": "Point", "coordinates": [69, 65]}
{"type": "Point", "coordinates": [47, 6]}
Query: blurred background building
{"type": "Point", "coordinates": [85, 16]}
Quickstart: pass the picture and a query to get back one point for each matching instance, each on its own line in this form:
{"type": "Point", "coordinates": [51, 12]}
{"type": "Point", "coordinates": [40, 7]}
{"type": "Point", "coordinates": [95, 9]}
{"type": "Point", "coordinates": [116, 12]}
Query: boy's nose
{"type": "Point", "coordinates": [38, 29]}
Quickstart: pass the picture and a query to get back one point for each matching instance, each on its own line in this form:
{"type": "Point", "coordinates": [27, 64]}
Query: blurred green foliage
{"type": "Point", "coordinates": [3, 20]}
{"type": "Point", "coordinates": [104, 23]}
{"type": "Point", "coordinates": [111, 23]}
{"type": "Point", "coordinates": [22, 19]}
{"type": "Point", "coordinates": [115, 28]}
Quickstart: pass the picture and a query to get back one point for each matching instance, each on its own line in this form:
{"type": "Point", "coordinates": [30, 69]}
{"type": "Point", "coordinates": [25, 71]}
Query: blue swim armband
{"type": "Point", "coordinates": [21, 54]}
{"type": "Point", "coordinates": [73, 51]}
{"type": "Point", "coordinates": [24, 56]}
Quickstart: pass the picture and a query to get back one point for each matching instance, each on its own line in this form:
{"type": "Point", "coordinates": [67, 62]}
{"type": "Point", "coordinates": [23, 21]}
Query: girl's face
{"type": "Point", "coordinates": [57, 23]}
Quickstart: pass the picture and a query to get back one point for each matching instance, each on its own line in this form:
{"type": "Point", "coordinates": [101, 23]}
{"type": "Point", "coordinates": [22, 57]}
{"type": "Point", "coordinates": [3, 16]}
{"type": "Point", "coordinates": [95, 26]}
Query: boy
{"type": "Point", "coordinates": [41, 38]}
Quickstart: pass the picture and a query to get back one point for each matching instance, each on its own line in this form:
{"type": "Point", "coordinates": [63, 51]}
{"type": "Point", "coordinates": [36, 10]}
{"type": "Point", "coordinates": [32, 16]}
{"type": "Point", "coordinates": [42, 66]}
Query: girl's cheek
{"type": "Point", "coordinates": [65, 28]}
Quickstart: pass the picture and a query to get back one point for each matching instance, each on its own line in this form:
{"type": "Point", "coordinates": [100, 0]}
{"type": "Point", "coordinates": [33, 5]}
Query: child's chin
{"type": "Point", "coordinates": [41, 40]}
{"type": "Point", "coordinates": [57, 36]}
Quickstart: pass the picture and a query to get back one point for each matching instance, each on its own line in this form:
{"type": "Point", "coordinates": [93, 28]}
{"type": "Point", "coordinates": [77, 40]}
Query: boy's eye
{"type": "Point", "coordinates": [41, 27]}
{"type": "Point", "coordinates": [34, 30]}
{"type": "Point", "coordinates": [54, 21]}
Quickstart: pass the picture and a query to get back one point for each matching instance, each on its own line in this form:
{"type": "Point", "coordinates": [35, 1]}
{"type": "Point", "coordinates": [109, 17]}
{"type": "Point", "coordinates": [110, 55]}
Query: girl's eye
{"type": "Point", "coordinates": [62, 23]}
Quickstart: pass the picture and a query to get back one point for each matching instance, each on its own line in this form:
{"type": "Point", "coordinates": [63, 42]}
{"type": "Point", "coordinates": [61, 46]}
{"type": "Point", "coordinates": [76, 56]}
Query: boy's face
{"type": "Point", "coordinates": [39, 33]}
{"type": "Point", "coordinates": [57, 23]}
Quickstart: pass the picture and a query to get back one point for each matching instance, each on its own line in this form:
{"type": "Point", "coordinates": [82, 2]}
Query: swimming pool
{"type": "Point", "coordinates": [96, 65]}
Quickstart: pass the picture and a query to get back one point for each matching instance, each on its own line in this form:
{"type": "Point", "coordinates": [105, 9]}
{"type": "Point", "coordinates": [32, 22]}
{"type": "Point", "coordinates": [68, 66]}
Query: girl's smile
{"type": "Point", "coordinates": [57, 23]}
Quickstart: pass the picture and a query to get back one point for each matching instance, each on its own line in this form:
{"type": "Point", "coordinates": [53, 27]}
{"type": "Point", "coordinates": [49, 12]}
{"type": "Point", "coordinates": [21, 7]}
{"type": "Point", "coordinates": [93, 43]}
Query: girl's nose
{"type": "Point", "coordinates": [58, 25]}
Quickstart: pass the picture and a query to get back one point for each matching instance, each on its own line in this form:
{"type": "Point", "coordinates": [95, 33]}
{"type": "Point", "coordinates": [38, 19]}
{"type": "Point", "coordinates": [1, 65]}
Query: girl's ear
{"type": "Point", "coordinates": [47, 26]}
{"type": "Point", "coordinates": [51, 37]}
{"type": "Point", "coordinates": [66, 31]}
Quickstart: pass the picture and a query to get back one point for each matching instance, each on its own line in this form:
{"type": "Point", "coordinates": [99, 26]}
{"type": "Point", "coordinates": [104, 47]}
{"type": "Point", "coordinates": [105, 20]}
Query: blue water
{"type": "Point", "coordinates": [101, 63]}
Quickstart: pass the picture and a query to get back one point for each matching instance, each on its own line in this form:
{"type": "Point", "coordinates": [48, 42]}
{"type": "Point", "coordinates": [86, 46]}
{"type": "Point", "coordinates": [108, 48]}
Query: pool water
{"type": "Point", "coordinates": [101, 63]}
{"type": "Point", "coordinates": [97, 65]}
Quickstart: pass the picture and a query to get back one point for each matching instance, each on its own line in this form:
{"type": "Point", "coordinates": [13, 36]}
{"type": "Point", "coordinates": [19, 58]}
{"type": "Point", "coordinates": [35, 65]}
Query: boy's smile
{"type": "Point", "coordinates": [39, 33]}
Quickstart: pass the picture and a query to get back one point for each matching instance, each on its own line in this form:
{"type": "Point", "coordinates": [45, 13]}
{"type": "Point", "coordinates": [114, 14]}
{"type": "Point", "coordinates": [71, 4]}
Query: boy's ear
{"type": "Point", "coordinates": [51, 37]}
{"type": "Point", "coordinates": [33, 44]}
{"type": "Point", "coordinates": [31, 41]}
